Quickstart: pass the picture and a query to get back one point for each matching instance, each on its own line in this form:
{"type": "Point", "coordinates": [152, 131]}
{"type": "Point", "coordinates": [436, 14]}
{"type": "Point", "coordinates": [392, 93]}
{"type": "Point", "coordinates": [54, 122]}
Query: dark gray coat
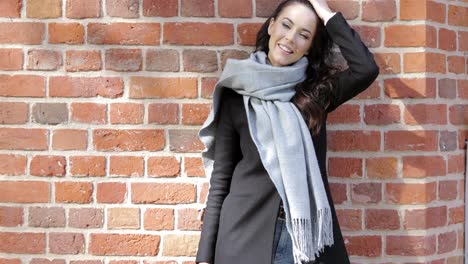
{"type": "Point", "coordinates": [242, 205]}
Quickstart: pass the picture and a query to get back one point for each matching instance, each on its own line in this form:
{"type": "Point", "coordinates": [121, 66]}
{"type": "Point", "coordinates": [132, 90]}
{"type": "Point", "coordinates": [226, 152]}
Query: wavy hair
{"type": "Point", "coordinates": [314, 94]}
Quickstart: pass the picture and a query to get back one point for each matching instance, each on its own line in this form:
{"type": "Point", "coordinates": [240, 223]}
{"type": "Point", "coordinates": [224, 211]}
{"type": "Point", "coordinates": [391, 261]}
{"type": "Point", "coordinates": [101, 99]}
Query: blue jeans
{"type": "Point", "coordinates": [282, 244]}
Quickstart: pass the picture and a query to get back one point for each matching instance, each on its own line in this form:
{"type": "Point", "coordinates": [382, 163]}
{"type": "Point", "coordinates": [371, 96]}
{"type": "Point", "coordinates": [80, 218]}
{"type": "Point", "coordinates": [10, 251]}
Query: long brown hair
{"type": "Point", "coordinates": [313, 95]}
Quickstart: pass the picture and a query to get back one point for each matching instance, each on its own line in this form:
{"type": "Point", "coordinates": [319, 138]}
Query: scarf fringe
{"type": "Point", "coordinates": [306, 243]}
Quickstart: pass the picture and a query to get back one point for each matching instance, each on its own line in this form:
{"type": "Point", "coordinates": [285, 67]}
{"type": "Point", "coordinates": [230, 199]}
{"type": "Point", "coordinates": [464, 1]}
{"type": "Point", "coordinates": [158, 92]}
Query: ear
{"type": "Point", "coordinates": [270, 25]}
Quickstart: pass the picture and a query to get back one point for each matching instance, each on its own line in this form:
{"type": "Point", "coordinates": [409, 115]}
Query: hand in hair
{"type": "Point", "coordinates": [322, 9]}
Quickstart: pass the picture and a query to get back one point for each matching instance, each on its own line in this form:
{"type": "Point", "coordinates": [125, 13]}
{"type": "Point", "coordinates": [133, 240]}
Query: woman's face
{"type": "Point", "coordinates": [291, 34]}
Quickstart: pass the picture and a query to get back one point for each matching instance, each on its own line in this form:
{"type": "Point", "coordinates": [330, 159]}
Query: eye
{"type": "Point", "coordinates": [285, 25]}
{"type": "Point", "coordinates": [304, 36]}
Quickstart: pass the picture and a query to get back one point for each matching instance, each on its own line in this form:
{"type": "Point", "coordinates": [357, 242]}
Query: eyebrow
{"type": "Point", "coordinates": [293, 24]}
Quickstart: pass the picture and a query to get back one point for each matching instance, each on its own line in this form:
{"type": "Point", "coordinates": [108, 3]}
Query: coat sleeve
{"type": "Point", "coordinates": [362, 69]}
{"type": "Point", "coordinates": [227, 155]}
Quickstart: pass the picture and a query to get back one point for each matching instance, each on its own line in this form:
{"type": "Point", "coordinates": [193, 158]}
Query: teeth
{"type": "Point", "coordinates": [285, 48]}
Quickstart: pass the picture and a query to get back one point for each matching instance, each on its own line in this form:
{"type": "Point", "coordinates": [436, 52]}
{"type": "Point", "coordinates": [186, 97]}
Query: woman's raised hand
{"type": "Point", "coordinates": [322, 9]}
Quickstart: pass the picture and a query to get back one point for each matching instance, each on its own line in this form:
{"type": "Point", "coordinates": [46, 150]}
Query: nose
{"type": "Point", "coordinates": [290, 36]}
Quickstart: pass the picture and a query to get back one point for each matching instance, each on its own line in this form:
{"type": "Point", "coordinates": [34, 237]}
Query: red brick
{"type": "Point", "coordinates": [447, 88]}
{"type": "Point", "coordinates": [111, 192]}
{"type": "Point", "coordinates": [369, 35]}
{"type": "Point", "coordinates": [126, 113]}
{"type": "Point", "coordinates": [124, 245]}
{"type": "Point", "coordinates": [11, 59]}
{"type": "Point", "coordinates": [13, 113]}
{"type": "Point", "coordinates": [160, 8]}
{"type": "Point", "coordinates": [456, 215]}
{"type": "Point", "coordinates": [197, 8]}
{"type": "Point", "coordinates": [388, 62]}
{"type": "Point", "coordinates": [124, 9]}
{"type": "Point", "coordinates": [193, 167]}
{"type": "Point", "coordinates": [207, 86]}
{"type": "Point", "coordinates": [448, 190]}
{"type": "Point", "coordinates": [184, 140]}
{"type": "Point", "coordinates": [83, 60]}
{"type": "Point", "coordinates": [457, 15]}
{"type": "Point", "coordinates": [44, 60]}
{"type": "Point", "coordinates": [48, 166]}
{"type": "Point", "coordinates": [128, 140]}
{"type": "Point", "coordinates": [11, 217]}
{"type": "Point", "coordinates": [24, 192]}
{"type": "Point", "coordinates": [349, 8]}
{"type": "Point", "coordinates": [50, 113]}
{"type": "Point", "coordinates": [231, 54]}
{"type": "Point", "coordinates": [33, 33]}
{"type": "Point", "coordinates": [456, 64]}
{"type": "Point", "coordinates": [369, 246]}
{"type": "Point", "coordinates": [86, 218]}
{"type": "Point", "coordinates": [83, 9]}
{"type": "Point", "coordinates": [43, 8]}
{"type": "Point", "coordinates": [126, 166]}
{"type": "Point", "coordinates": [163, 193]}
{"type": "Point", "coordinates": [162, 87]}
{"type": "Point", "coordinates": [163, 113]}
{"type": "Point", "coordinates": [356, 140]}
{"type": "Point", "coordinates": [22, 243]}
{"type": "Point", "coordinates": [424, 166]}
{"type": "Point", "coordinates": [382, 219]}
{"type": "Point", "coordinates": [462, 89]}
{"type": "Point", "coordinates": [339, 193]}
{"type": "Point", "coordinates": [194, 33]}
{"type": "Point", "coordinates": [66, 243]}
{"type": "Point", "coordinates": [424, 62]}
{"type": "Point", "coordinates": [264, 8]}
{"type": "Point", "coordinates": [373, 92]}
{"type": "Point", "coordinates": [421, 36]}
{"type": "Point", "coordinates": [66, 33]}
{"type": "Point", "coordinates": [458, 114]}
{"type": "Point", "coordinates": [381, 168]}
{"type": "Point", "coordinates": [10, 261]}
{"type": "Point", "coordinates": [205, 187]}
{"type": "Point", "coordinates": [172, 245]}
{"type": "Point", "coordinates": [88, 166]}
{"type": "Point", "coordinates": [123, 218]}
{"type": "Point", "coordinates": [127, 60]}
{"type": "Point", "coordinates": [410, 88]}
{"type": "Point", "coordinates": [416, 114]}
{"type": "Point", "coordinates": [381, 114]}
{"type": "Point", "coordinates": [10, 8]}
{"type": "Point", "coordinates": [235, 8]}
{"type": "Point", "coordinates": [447, 39]}
{"type": "Point", "coordinates": [410, 193]}
{"type": "Point", "coordinates": [73, 192]}
{"type": "Point", "coordinates": [86, 262]}
{"type": "Point", "coordinates": [426, 218]}
{"type": "Point", "coordinates": [46, 217]}
{"type": "Point", "coordinates": [165, 60]}
{"type": "Point", "coordinates": [90, 113]}
{"type": "Point", "coordinates": [456, 164]}
{"type": "Point", "coordinates": [12, 164]}
{"type": "Point", "coordinates": [462, 40]}
{"type": "Point", "coordinates": [422, 10]}
{"type": "Point", "coordinates": [345, 114]}
{"type": "Point", "coordinates": [366, 193]}
{"type": "Point", "coordinates": [376, 10]}
{"type": "Point", "coordinates": [163, 167]}
{"type": "Point", "coordinates": [199, 60]}
{"type": "Point", "coordinates": [22, 86]}
{"type": "Point", "coordinates": [69, 139]}
{"type": "Point", "coordinates": [345, 167]}
{"type": "Point", "coordinates": [124, 33]}
{"type": "Point", "coordinates": [62, 86]}
{"type": "Point", "coordinates": [414, 140]}
{"type": "Point", "coordinates": [411, 245]}
{"type": "Point", "coordinates": [447, 242]}
{"type": "Point", "coordinates": [195, 114]}
{"type": "Point", "coordinates": [23, 139]}
{"type": "Point", "coordinates": [247, 33]}
{"type": "Point", "coordinates": [159, 219]}
{"type": "Point", "coordinates": [349, 219]}
{"type": "Point", "coordinates": [46, 261]}
{"type": "Point", "coordinates": [188, 219]}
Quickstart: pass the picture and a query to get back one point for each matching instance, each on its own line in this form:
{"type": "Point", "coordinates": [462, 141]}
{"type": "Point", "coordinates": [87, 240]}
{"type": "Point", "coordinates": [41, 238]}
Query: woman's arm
{"type": "Point", "coordinates": [362, 69]}
{"type": "Point", "coordinates": [227, 155]}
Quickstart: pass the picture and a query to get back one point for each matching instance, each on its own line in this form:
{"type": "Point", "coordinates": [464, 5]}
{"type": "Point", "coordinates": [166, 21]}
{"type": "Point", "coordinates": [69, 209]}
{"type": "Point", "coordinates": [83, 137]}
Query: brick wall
{"type": "Point", "coordinates": [101, 102]}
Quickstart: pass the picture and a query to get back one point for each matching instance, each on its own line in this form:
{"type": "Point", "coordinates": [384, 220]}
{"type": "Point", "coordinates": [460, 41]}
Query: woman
{"type": "Point", "coordinates": [269, 199]}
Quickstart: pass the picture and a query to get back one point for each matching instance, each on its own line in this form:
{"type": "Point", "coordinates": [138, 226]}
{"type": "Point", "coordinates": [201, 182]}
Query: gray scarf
{"type": "Point", "coordinates": [284, 144]}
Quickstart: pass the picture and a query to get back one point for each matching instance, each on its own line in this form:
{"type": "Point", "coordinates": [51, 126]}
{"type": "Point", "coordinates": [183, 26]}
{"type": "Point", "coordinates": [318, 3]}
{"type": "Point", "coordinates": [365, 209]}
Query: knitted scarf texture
{"type": "Point", "coordinates": [284, 143]}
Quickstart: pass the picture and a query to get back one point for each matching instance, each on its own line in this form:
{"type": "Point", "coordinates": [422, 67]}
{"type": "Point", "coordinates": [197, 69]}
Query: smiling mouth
{"type": "Point", "coordinates": [285, 49]}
